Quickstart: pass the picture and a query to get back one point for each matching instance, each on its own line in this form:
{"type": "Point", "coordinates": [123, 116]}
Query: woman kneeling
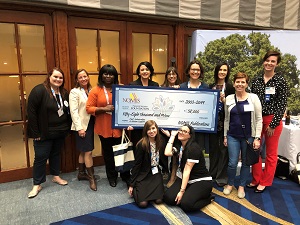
{"type": "Point", "coordinates": [193, 186]}
{"type": "Point", "coordinates": [146, 182]}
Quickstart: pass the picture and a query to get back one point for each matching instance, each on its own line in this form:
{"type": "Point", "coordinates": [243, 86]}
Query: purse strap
{"type": "Point", "coordinates": [243, 125]}
{"type": "Point", "coordinates": [124, 137]}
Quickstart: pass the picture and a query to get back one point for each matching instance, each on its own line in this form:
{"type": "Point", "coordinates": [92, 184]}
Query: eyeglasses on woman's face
{"type": "Point", "coordinates": [183, 131]}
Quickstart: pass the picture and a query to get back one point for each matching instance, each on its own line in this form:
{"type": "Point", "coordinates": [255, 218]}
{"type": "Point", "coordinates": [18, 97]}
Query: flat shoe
{"type": "Point", "coordinates": [251, 185]}
{"type": "Point", "coordinates": [259, 191]}
{"type": "Point", "coordinates": [227, 191]}
{"type": "Point", "coordinates": [33, 193]}
{"type": "Point", "coordinates": [241, 194]}
{"type": "Point", "coordinates": [61, 182]}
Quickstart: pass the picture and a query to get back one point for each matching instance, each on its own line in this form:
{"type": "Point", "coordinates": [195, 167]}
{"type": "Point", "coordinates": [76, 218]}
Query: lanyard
{"type": "Point", "coordinates": [60, 99]}
{"type": "Point", "coordinates": [223, 88]}
{"type": "Point", "coordinates": [180, 156]}
{"type": "Point", "coordinates": [106, 95]}
{"type": "Point", "coordinates": [155, 159]}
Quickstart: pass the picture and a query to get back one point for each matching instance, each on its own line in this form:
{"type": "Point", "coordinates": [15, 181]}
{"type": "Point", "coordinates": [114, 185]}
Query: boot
{"type": "Point", "coordinates": [93, 184]}
{"type": "Point", "coordinates": [81, 172]}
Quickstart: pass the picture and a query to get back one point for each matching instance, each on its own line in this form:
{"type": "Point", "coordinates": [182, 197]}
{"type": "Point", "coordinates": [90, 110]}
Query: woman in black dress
{"type": "Point", "coordinates": [193, 186]}
{"type": "Point", "coordinates": [146, 182]}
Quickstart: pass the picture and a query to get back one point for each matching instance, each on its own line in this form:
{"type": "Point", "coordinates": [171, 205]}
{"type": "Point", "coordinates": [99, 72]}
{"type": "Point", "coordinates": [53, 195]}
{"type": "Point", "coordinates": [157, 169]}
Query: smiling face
{"type": "Point", "coordinates": [152, 131]}
{"type": "Point", "coordinates": [184, 133]}
{"type": "Point", "coordinates": [144, 72]}
{"type": "Point", "coordinates": [240, 85]}
{"type": "Point", "coordinates": [83, 79]}
{"type": "Point", "coordinates": [172, 77]}
{"type": "Point", "coordinates": [222, 73]}
{"type": "Point", "coordinates": [108, 78]}
{"type": "Point", "coordinates": [270, 64]}
{"type": "Point", "coordinates": [195, 72]}
{"type": "Point", "coordinates": [56, 79]}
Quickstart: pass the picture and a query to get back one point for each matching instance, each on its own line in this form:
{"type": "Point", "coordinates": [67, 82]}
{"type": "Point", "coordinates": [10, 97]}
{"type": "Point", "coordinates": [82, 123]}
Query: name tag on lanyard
{"type": "Point", "coordinates": [60, 110]}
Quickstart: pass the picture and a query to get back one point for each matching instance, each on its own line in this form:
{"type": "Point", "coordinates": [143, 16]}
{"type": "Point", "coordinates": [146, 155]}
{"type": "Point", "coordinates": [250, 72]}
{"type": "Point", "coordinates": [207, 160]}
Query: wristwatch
{"type": "Point", "coordinates": [257, 138]}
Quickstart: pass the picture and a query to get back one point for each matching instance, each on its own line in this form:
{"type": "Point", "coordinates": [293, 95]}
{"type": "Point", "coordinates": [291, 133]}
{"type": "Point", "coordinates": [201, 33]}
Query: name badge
{"type": "Point", "coordinates": [154, 170]}
{"type": "Point", "coordinates": [248, 108]}
{"type": "Point", "coordinates": [270, 91]}
{"type": "Point", "coordinates": [60, 111]}
{"type": "Point", "coordinates": [110, 113]}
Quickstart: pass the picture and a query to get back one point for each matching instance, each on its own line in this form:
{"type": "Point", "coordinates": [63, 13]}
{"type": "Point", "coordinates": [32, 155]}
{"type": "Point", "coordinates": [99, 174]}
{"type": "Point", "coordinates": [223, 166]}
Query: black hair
{"type": "Point", "coordinates": [109, 69]}
{"type": "Point", "coordinates": [148, 65]}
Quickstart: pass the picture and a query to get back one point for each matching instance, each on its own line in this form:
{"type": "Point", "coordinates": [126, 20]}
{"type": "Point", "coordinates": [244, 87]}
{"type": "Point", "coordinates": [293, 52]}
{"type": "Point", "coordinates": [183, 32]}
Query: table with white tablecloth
{"type": "Point", "coordinates": [289, 144]}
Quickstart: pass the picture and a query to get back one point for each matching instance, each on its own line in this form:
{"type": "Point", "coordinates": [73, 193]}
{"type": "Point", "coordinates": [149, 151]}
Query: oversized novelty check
{"type": "Point", "coordinates": [170, 108]}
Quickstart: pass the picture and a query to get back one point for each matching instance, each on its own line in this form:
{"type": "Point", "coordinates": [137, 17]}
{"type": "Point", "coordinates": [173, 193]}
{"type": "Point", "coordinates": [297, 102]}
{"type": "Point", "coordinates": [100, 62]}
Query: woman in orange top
{"type": "Point", "coordinates": [100, 105]}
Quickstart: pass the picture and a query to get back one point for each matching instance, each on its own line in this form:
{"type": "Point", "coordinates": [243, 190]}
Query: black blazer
{"type": "Point", "coordinates": [142, 166]}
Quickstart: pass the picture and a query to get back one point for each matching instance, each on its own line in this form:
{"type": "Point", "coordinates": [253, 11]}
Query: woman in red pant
{"type": "Point", "coordinates": [272, 91]}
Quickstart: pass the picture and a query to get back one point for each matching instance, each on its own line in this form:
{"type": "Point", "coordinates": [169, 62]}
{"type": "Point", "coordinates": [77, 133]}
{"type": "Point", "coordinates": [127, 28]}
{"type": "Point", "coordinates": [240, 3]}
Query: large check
{"type": "Point", "coordinates": [170, 108]}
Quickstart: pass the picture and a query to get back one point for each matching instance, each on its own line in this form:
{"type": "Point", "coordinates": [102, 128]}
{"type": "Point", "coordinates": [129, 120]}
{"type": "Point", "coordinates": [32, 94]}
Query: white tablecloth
{"type": "Point", "coordinates": [289, 144]}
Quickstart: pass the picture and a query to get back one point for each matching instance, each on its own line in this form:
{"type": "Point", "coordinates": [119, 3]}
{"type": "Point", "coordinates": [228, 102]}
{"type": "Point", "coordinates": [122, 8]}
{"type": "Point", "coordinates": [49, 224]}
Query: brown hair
{"type": "Point", "coordinates": [187, 70]}
{"type": "Point", "coordinates": [46, 83]}
{"type": "Point", "coordinates": [169, 70]}
{"type": "Point", "coordinates": [145, 139]}
{"type": "Point", "coordinates": [89, 86]}
{"type": "Point", "coordinates": [241, 75]}
{"type": "Point", "coordinates": [273, 53]}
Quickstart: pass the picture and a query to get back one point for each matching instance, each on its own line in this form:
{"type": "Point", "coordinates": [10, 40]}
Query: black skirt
{"type": "Point", "coordinates": [86, 144]}
{"type": "Point", "coordinates": [149, 189]}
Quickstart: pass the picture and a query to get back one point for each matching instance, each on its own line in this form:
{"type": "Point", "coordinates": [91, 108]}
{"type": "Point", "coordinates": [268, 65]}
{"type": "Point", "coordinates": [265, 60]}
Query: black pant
{"type": "Point", "coordinates": [196, 195]}
{"type": "Point", "coordinates": [44, 150]}
{"type": "Point", "coordinates": [218, 157]}
{"type": "Point", "coordinates": [109, 160]}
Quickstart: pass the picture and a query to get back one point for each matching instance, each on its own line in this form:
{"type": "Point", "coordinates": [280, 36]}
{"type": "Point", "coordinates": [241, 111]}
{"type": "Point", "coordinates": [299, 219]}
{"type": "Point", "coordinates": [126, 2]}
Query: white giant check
{"type": "Point", "coordinates": [170, 108]}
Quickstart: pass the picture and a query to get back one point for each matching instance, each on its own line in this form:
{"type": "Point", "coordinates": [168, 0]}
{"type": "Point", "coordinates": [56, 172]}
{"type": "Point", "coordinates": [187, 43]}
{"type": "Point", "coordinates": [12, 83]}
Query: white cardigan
{"type": "Point", "coordinates": [77, 101]}
{"type": "Point", "coordinates": [256, 114]}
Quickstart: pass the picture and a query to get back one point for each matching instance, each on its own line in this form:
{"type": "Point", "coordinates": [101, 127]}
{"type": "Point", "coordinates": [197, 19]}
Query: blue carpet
{"type": "Point", "coordinates": [281, 200]}
{"type": "Point", "coordinates": [124, 214]}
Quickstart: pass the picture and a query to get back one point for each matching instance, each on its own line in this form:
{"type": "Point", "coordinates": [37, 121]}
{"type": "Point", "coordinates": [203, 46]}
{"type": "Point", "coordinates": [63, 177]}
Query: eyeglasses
{"type": "Point", "coordinates": [108, 75]}
{"type": "Point", "coordinates": [183, 131]}
{"type": "Point", "coordinates": [172, 74]}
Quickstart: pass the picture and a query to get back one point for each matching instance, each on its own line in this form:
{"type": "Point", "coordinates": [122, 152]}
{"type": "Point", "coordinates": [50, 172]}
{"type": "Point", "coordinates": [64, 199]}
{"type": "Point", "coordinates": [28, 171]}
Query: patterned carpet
{"type": "Point", "coordinates": [279, 204]}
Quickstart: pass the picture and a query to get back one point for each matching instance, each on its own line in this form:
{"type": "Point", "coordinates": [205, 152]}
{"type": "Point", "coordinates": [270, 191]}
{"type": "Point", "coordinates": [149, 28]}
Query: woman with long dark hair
{"type": "Point", "coordinates": [48, 124]}
{"type": "Point", "coordinates": [192, 188]}
{"type": "Point", "coordinates": [218, 153]}
{"type": "Point", "coordinates": [146, 183]}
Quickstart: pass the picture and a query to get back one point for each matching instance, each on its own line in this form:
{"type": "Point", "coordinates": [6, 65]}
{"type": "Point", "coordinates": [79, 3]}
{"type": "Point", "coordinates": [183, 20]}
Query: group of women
{"type": "Point", "coordinates": [241, 115]}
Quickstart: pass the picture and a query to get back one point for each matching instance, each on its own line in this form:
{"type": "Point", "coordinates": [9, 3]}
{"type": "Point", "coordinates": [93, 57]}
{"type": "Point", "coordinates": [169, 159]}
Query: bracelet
{"type": "Point", "coordinates": [170, 142]}
{"type": "Point", "coordinates": [182, 190]}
